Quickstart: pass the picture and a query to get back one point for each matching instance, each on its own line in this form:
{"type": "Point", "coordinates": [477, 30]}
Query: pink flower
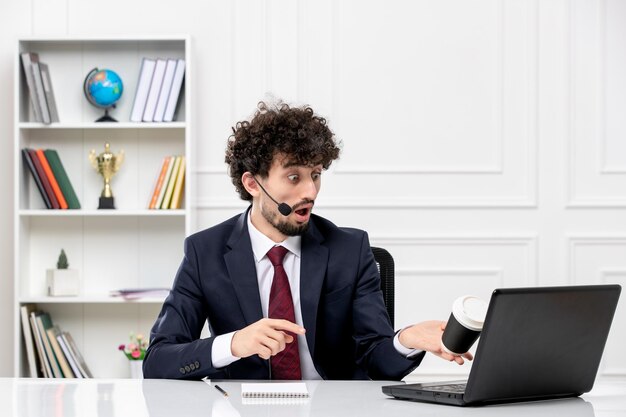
{"type": "Point", "coordinates": [136, 349]}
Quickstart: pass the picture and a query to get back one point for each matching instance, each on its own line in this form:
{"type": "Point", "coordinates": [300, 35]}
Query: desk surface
{"type": "Point", "coordinates": [154, 398]}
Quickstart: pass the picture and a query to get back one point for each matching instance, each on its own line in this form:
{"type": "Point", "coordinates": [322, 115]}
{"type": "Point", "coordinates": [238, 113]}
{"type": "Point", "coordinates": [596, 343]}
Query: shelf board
{"type": "Point", "coordinates": [102, 213]}
{"type": "Point", "coordinates": [97, 126]}
{"type": "Point", "coordinates": [90, 299]}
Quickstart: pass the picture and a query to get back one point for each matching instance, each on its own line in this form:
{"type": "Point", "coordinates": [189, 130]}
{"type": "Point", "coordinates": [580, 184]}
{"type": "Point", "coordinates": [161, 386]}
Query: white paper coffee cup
{"type": "Point", "coordinates": [465, 324]}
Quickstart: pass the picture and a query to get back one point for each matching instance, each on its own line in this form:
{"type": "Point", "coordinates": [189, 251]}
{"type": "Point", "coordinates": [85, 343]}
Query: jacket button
{"type": "Point", "coordinates": [187, 368]}
{"type": "Point", "coordinates": [192, 366]}
{"type": "Point", "coordinates": [182, 370]}
{"type": "Point", "coordinates": [197, 365]}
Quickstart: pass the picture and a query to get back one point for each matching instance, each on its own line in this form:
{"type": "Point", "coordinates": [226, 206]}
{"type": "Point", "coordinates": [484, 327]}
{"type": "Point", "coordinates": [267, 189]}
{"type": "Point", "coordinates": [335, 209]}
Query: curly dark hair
{"type": "Point", "coordinates": [278, 129]}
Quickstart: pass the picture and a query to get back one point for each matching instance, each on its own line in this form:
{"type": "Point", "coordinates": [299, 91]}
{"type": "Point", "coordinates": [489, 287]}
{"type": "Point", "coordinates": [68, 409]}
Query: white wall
{"type": "Point", "coordinates": [483, 141]}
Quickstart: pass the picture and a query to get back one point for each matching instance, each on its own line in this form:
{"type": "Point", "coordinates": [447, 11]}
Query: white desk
{"type": "Point", "coordinates": [154, 398]}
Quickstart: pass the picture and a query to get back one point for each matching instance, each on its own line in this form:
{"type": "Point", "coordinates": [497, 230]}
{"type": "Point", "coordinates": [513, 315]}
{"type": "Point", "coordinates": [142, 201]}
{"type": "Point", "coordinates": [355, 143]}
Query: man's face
{"type": "Point", "coordinates": [296, 185]}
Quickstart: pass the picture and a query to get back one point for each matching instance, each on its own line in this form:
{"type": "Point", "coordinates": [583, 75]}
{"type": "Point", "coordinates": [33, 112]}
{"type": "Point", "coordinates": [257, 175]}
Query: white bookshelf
{"type": "Point", "coordinates": [128, 247]}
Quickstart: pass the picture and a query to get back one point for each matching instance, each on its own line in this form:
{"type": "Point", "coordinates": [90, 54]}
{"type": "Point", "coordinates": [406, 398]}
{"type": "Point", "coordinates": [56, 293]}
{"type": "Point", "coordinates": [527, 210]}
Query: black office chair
{"type": "Point", "coordinates": [386, 270]}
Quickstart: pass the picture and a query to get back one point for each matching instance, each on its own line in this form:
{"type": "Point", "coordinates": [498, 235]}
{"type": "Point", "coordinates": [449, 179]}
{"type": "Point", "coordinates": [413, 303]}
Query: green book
{"type": "Point", "coordinates": [44, 322]}
{"type": "Point", "coordinates": [61, 176]}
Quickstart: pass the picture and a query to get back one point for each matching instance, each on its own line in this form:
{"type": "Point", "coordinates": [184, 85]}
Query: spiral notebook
{"type": "Point", "coordinates": [274, 390]}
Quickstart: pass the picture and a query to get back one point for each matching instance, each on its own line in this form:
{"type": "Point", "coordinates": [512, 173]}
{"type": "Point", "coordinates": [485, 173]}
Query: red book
{"type": "Point", "coordinates": [53, 181]}
{"type": "Point", "coordinates": [44, 178]}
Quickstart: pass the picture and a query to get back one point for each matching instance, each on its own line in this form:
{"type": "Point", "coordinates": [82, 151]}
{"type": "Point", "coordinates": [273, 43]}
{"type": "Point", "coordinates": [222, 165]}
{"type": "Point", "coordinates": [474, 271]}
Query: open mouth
{"type": "Point", "coordinates": [302, 211]}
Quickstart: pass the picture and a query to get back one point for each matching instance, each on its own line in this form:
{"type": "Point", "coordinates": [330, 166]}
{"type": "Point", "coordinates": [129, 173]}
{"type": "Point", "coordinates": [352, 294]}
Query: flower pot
{"type": "Point", "coordinates": [136, 371]}
{"type": "Point", "coordinates": [62, 282]}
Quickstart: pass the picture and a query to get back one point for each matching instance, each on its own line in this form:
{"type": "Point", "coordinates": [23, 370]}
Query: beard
{"type": "Point", "coordinates": [283, 226]}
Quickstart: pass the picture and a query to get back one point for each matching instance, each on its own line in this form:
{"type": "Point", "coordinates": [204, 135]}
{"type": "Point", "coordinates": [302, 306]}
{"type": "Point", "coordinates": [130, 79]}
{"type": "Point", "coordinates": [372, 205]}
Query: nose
{"type": "Point", "coordinates": [310, 188]}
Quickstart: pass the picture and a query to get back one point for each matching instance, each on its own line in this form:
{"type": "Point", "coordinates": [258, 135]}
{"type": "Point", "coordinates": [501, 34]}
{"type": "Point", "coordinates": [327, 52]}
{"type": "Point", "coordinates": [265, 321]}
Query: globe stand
{"type": "Point", "coordinates": [106, 117]}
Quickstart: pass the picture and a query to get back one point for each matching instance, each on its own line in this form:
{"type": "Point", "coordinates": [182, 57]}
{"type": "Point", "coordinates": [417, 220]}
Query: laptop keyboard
{"type": "Point", "coordinates": [453, 388]}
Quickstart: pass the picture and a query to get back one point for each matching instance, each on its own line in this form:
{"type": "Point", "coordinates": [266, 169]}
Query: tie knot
{"type": "Point", "coordinates": [277, 254]}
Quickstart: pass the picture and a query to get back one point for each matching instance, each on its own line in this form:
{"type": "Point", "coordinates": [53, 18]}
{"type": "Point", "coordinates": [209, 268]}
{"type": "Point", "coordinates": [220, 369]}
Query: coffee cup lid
{"type": "Point", "coordinates": [470, 311]}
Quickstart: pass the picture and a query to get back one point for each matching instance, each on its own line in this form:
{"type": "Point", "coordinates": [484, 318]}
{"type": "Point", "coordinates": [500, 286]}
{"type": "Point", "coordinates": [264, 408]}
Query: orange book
{"type": "Point", "coordinates": [53, 181]}
{"type": "Point", "coordinates": [159, 184]}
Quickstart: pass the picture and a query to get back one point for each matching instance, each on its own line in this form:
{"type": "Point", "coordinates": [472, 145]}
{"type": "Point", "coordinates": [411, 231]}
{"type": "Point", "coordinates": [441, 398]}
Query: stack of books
{"type": "Point", "coordinates": [52, 181]}
{"type": "Point", "coordinates": [39, 85]}
{"type": "Point", "coordinates": [51, 352]}
{"type": "Point", "coordinates": [169, 185]}
{"type": "Point", "coordinates": [158, 90]}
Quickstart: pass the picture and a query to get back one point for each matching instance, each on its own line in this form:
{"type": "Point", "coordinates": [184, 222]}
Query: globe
{"type": "Point", "coordinates": [103, 88]}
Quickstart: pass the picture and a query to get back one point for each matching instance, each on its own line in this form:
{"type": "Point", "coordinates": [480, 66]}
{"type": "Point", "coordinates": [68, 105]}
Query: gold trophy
{"type": "Point", "coordinates": [106, 164]}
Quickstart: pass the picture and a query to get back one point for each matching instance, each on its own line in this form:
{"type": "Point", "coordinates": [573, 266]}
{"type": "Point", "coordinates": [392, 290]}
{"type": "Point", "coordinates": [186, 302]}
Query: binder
{"type": "Point", "coordinates": [166, 87]}
{"type": "Point", "coordinates": [30, 82]}
{"type": "Point", "coordinates": [143, 87]}
{"type": "Point", "coordinates": [155, 89]}
{"type": "Point", "coordinates": [172, 100]}
{"type": "Point", "coordinates": [41, 94]}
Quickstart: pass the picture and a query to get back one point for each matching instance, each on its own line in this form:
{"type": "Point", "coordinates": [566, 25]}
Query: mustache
{"type": "Point", "coordinates": [302, 203]}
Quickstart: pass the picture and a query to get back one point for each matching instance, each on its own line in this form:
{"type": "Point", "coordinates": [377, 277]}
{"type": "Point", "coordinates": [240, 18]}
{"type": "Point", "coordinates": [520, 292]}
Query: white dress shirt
{"type": "Point", "coordinates": [221, 354]}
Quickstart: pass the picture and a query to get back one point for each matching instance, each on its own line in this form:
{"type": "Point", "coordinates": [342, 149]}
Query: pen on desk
{"type": "Point", "coordinates": [217, 387]}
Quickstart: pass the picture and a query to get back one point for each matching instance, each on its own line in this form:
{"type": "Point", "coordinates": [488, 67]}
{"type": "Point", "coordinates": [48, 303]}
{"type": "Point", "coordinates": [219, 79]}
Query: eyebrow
{"type": "Point", "coordinates": [290, 164]}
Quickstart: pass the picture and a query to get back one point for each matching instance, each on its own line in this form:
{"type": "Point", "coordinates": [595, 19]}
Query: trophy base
{"type": "Point", "coordinates": [106, 203]}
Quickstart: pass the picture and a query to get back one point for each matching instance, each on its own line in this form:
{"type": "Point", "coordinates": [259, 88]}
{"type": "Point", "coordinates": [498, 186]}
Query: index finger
{"type": "Point", "coordinates": [281, 324]}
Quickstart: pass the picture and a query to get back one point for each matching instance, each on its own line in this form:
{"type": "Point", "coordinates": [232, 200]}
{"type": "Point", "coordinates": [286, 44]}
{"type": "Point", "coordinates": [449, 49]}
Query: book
{"type": "Point", "coordinates": [177, 84]}
{"type": "Point", "coordinates": [43, 178]}
{"type": "Point", "coordinates": [274, 390]}
{"type": "Point", "coordinates": [53, 182]}
{"type": "Point", "coordinates": [136, 293]}
{"type": "Point", "coordinates": [29, 163]}
{"type": "Point", "coordinates": [49, 92]}
{"type": "Point", "coordinates": [159, 183]}
{"type": "Point", "coordinates": [168, 78]}
{"type": "Point", "coordinates": [71, 360]}
{"type": "Point", "coordinates": [30, 83]}
{"type": "Point", "coordinates": [170, 184]}
{"type": "Point", "coordinates": [178, 187]}
{"type": "Point", "coordinates": [58, 352]}
{"type": "Point", "coordinates": [62, 179]}
{"type": "Point", "coordinates": [41, 94]}
{"type": "Point", "coordinates": [143, 88]}
{"type": "Point", "coordinates": [155, 89]}
{"type": "Point", "coordinates": [80, 361]}
{"type": "Point", "coordinates": [29, 339]}
{"type": "Point", "coordinates": [166, 180]}
{"type": "Point", "coordinates": [46, 371]}
{"type": "Point", "coordinates": [44, 322]}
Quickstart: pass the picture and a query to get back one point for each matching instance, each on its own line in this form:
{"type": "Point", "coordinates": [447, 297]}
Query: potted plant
{"type": "Point", "coordinates": [135, 351]}
{"type": "Point", "coordinates": [62, 281]}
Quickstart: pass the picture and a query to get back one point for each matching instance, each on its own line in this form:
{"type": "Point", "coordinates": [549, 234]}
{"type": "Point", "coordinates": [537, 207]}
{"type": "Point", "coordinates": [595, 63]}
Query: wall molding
{"type": "Point", "coordinates": [528, 242]}
{"type": "Point", "coordinates": [572, 242]}
{"type": "Point", "coordinates": [573, 201]}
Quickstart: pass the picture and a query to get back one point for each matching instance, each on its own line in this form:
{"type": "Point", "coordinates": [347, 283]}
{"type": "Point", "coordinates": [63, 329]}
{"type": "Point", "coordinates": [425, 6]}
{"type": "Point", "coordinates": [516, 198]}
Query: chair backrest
{"type": "Point", "coordinates": [386, 269]}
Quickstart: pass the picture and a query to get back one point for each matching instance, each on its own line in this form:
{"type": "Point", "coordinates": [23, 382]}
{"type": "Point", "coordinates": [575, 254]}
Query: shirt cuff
{"type": "Point", "coordinates": [221, 354]}
{"type": "Point", "coordinates": [405, 351]}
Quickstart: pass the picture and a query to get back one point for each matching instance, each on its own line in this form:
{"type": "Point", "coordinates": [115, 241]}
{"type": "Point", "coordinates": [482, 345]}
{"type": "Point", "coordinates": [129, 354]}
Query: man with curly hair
{"type": "Point", "coordinates": [286, 293]}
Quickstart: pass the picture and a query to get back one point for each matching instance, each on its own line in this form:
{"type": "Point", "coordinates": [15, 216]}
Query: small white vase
{"type": "Point", "coordinates": [136, 371]}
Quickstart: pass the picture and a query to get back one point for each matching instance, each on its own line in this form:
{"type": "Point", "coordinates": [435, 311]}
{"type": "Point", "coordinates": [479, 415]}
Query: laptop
{"type": "Point", "coordinates": [537, 343]}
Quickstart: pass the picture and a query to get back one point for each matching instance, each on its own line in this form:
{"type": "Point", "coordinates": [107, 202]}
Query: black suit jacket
{"type": "Point", "coordinates": [347, 326]}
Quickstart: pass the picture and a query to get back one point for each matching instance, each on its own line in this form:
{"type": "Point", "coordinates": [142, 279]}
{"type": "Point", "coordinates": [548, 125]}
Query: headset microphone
{"type": "Point", "coordinates": [284, 208]}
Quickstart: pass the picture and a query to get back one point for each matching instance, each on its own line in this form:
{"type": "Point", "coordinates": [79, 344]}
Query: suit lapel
{"type": "Point", "coordinates": [312, 272]}
{"type": "Point", "coordinates": [242, 271]}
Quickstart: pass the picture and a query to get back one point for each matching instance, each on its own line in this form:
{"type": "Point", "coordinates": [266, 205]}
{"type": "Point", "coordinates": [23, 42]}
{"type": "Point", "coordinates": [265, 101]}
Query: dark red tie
{"type": "Point", "coordinates": [286, 364]}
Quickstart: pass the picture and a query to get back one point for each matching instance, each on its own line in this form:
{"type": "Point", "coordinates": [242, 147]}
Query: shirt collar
{"type": "Point", "coordinates": [261, 244]}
